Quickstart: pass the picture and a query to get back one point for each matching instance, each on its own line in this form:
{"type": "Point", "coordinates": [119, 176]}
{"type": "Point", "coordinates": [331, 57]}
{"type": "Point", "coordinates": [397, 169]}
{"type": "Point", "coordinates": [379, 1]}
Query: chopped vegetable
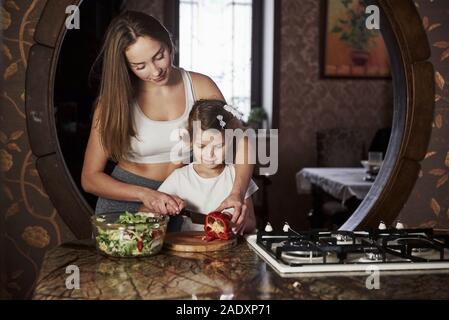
{"type": "Point", "coordinates": [130, 234]}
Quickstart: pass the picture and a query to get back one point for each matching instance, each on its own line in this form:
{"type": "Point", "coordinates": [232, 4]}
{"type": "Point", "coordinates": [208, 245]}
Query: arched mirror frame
{"type": "Point", "coordinates": [413, 83]}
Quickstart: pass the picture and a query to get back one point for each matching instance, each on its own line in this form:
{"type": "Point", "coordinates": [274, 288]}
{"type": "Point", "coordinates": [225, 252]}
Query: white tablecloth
{"type": "Point", "coordinates": [341, 183]}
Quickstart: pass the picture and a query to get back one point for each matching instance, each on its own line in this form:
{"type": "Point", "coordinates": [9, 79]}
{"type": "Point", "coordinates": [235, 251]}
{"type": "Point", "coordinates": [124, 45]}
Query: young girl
{"type": "Point", "coordinates": [204, 183]}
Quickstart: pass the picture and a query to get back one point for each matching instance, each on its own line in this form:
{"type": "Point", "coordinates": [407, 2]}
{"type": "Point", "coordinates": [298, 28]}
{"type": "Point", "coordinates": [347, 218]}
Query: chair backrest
{"type": "Point", "coordinates": [380, 141]}
{"type": "Point", "coordinates": [340, 147]}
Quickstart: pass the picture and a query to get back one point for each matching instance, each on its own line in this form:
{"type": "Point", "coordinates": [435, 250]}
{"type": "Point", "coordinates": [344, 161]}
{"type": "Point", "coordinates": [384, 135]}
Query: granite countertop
{"type": "Point", "coordinates": [237, 273]}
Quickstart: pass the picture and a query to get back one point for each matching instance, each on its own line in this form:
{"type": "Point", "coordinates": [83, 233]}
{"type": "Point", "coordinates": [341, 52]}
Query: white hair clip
{"type": "Point", "coordinates": [236, 113]}
{"type": "Point", "coordinates": [222, 123]}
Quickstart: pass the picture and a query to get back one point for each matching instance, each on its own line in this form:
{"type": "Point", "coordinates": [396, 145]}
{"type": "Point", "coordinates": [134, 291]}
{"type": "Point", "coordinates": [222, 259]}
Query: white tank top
{"type": "Point", "coordinates": [156, 140]}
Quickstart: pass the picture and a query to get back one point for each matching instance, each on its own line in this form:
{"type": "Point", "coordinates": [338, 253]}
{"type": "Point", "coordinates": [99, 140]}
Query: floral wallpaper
{"type": "Point", "coordinates": [428, 206]}
{"type": "Point", "coordinates": [30, 225]}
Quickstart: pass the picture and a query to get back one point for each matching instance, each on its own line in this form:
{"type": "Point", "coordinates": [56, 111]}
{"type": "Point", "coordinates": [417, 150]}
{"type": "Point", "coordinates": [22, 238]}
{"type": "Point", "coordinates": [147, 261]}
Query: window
{"type": "Point", "coordinates": [216, 38]}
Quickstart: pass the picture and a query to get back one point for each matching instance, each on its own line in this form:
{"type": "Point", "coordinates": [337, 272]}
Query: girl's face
{"type": "Point", "coordinates": [209, 148]}
{"type": "Point", "coordinates": [150, 60]}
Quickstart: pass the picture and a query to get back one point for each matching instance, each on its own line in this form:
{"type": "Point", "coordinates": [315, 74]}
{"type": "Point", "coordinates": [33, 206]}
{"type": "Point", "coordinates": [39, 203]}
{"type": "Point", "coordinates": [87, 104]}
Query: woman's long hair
{"type": "Point", "coordinates": [118, 83]}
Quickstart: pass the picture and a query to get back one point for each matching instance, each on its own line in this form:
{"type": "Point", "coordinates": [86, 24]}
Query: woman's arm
{"type": "Point", "coordinates": [95, 181]}
{"type": "Point", "coordinates": [243, 168]}
{"type": "Point", "coordinates": [170, 186]}
{"type": "Point", "coordinates": [247, 222]}
{"type": "Point", "coordinates": [243, 172]}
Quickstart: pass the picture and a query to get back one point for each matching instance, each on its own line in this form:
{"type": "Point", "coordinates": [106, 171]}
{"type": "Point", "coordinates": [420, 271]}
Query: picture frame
{"type": "Point", "coordinates": [348, 50]}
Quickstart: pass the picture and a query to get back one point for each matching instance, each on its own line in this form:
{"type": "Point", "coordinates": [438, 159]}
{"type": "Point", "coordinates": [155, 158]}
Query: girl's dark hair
{"type": "Point", "coordinates": [206, 111]}
{"type": "Point", "coordinates": [118, 82]}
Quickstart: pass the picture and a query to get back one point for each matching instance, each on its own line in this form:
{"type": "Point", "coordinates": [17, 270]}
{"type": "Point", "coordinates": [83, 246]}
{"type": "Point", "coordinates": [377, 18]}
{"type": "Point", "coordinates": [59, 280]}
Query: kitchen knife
{"type": "Point", "coordinates": [196, 217]}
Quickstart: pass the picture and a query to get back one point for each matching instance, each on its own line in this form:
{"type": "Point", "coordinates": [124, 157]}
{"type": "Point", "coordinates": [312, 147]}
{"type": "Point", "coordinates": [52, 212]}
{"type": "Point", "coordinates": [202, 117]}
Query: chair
{"type": "Point", "coordinates": [340, 147]}
{"type": "Point", "coordinates": [336, 147]}
{"type": "Point", "coordinates": [380, 141]}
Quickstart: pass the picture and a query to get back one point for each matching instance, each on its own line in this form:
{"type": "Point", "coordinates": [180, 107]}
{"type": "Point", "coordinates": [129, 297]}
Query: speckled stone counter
{"type": "Point", "coordinates": [238, 273]}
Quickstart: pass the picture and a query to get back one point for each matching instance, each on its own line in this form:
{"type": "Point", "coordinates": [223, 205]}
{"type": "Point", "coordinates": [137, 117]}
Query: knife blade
{"type": "Point", "coordinates": [196, 217]}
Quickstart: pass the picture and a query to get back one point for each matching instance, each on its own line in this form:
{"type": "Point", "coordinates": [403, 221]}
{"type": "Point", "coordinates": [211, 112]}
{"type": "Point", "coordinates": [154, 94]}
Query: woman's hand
{"type": "Point", "coordinates": [240, 212]}
{"type": "Point", "coordinates": [159, 202]}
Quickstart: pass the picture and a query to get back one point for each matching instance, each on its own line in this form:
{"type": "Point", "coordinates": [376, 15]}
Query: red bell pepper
{"type": "Point", "coordinates": [217, 226]}
{"type": "Point", "coordinates": [139, 245]}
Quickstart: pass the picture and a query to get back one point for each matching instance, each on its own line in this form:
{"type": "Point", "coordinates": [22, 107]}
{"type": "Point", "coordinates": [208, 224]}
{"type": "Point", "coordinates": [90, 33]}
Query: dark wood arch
{"type": "Point", "coordinates": [413, 85]}
{"type": "Point", "coordinates": [413, 113]}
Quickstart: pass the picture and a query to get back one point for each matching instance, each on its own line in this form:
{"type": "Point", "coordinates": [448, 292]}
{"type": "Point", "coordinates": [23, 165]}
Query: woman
{"type": "Point", "coordinates": [143, 97]}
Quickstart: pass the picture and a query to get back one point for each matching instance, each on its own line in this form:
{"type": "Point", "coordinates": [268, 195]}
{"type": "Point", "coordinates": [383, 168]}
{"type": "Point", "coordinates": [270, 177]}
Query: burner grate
{"type": "Point", "coordinates": [318, 247]}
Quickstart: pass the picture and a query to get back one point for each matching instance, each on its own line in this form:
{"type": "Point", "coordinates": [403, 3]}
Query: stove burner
{"type": "Point", "coordinates": [421, 250]}
{"type": "Point", "coordinates": [343, 239]}
{"type": "Point", "coordinates": [297, 243]}
{"type": "Point", "coordinates": [417, 245]}
{"type": "Point", "coordinates": [303, 254]}
{"type": "Point", "coordinates": [346, 250]}
{"type": "Point", "coordinates": [413, 242]}
{"type": "Point", "coordinates": [301, 257]}
{"type": "Point", "coordinates": [373, 256]}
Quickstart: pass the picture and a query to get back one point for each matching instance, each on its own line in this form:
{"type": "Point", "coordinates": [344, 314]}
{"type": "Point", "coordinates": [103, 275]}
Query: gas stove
{"type": "Point", "coordinates": [320, 251]}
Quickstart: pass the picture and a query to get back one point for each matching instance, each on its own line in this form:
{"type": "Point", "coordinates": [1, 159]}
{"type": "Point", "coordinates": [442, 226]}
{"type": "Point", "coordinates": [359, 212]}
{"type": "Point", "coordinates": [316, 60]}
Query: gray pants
{"type": "Point", "coordinates": [105, 206]}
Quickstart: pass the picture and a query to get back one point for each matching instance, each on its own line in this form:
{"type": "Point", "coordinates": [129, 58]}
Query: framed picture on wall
{"type": "Point", "coordinates": [348, 48]}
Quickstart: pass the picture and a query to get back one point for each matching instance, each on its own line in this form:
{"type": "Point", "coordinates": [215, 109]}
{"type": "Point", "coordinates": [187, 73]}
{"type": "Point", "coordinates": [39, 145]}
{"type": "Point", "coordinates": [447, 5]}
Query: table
{"type": "Point", "coordinates": [237, 273]}
{"type": "Point", "coordinates": [341, 183]}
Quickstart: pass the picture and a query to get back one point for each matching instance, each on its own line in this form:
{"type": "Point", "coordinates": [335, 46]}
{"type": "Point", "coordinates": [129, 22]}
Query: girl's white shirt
{"type": "Point", "coordinates": [202, 194]}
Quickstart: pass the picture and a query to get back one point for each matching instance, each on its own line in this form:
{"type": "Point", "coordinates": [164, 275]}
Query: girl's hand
{"type": "Point", "coordinates": [239, 215]}
{"type": "Point", "coordinates": [159, 202]}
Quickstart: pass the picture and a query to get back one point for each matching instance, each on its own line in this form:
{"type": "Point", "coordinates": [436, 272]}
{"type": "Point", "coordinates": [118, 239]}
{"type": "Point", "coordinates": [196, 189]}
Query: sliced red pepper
{"type": "Point", "coordinates": [217, 226]}
{"type": "Point", "coordinates": [139, 245]}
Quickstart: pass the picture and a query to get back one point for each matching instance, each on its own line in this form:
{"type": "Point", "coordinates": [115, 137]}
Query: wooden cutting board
{"type": "Point", "coordinates": [190, 241]}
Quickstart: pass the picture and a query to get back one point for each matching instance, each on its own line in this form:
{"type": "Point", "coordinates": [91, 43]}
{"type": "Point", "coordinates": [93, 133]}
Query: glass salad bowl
{"type": "Point", "coordinates": [126, 234]}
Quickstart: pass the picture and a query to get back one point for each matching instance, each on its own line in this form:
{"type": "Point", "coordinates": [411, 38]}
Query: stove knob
{"type": "Point", "coordinates": [382, 226]}
{"type": "Point", "coordinates": [399, 225]}
{"type": "Point", "coordinates": [286, 227]}
{"type": "Point", "coordinates": [268, 227]}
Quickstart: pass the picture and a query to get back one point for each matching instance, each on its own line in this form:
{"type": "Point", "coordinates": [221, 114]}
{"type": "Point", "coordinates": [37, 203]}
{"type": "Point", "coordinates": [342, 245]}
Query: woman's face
{"type": "Point", "coordinates": [208, 148]}
{"type": "Point", "coordinates": [150, 60]}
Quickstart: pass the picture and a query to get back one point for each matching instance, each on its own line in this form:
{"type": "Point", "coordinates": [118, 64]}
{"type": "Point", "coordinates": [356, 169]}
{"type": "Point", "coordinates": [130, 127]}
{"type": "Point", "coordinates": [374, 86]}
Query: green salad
{"type": "Point", "coordinates": [130, 234]}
